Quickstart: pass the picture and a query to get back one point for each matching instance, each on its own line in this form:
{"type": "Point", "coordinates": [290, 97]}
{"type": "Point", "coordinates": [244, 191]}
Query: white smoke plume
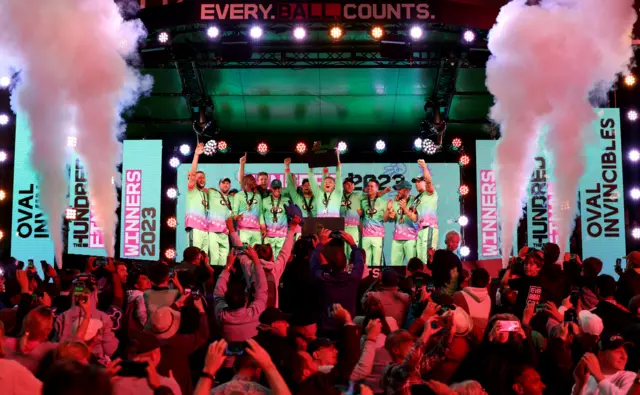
{"type": "Point", "coordinates": [71, 59]}
{"type": "Point", "coordinates": [546, 61]}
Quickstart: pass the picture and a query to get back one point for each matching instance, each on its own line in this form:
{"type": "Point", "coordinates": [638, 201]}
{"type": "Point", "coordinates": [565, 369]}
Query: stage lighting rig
{"type": "Point", "coordinates": [210, 147]}
{"type": "Point", "coordinates": [634, 155]}
{"type": "Point", "coordinates": [299, 33]}
{"type": "Point", "coordinates": [429, 147]}
{"type": "Point", "coordinates": [342, 147]}
{"type": "Point", "coordinates": [213, 32]}
{"type": "Point", "coordinates": [416, 32]}
{"type": "Point", "coordinates": [4, 119]}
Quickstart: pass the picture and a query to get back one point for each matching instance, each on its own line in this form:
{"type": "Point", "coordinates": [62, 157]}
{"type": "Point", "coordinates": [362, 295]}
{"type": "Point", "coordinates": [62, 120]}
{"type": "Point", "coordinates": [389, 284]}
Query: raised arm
{"type": "Point", "coordinates": [194, 165]}
{"type": "Point", "coordinates": [290, 185]}
{"type": "Point", "coordinates": [315, 189]}
{"type": "Point", "coordinates": [427, 175]}
{"type": "Point", "coordinates": [260, 303]}
{"type": "Point", "coordinates": [221, 286]}
{"type": "Point", "coordinates": [339, 186]}
{"type": "Point", "coordinates": [243, 161]}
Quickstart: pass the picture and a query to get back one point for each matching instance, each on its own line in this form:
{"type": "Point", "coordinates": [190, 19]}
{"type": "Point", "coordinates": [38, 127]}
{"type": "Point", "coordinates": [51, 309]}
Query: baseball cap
{"type": "Point", "coordinates": [318, 343]}
{"type": "Point", "coordinates": [612, 342]}
{"type": "Point", "coordinates": [226, 179]}
{"type": "Point", "coordinates": [634, 258]}
{"type": "Point", "coordinates": [418, 179]}
{"type": "Point", "coordinates": [404, 184]}
{"type": "Point", "coordinates": [273, 314]}
{"type": "Point", "coordinates": [142, 343]}
{"type": "Point", "coordinates": [275, 184]}
{"type": "Point", "coordinates": [348, 179]}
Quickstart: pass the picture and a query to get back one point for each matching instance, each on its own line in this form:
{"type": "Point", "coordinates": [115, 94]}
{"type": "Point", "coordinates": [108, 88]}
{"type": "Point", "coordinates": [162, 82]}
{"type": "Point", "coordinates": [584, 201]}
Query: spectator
{"type": "Point", "coordinates": [32, 345]}
{"type": "Point", "coordinates": [15, 379]}
{"type": "Point", "coordinates": [136, 312]}
{"type": "Point", "coordinates": [191, 259]}
{"type": "Point", "coordinates": [375, 357]}
{"type": "Point", "coordinates": [590, 269]}
{"type": "Point", "coordinates": [85, 292]}
{"type": "Point", "coordinates": [629, 282]}
{"type": "Point", "coordinates": [446, 270]}
{"type": "Point", "coordinates": [526, 381]}
{"type": "Point", "coordinates": [475, 300]}
{"type": "Point", "coordinates": [452, 241]}
{"type": "Point", "coordinates": [160, 295]}
{"type": "Point", "coordinates": [145, 348]}
{"type": "Point", "coordinates": [614, 316]}
{"type": "Point", "coordinates": [394, 302]}
{"type": "Point", "coordinates": [238, 318]}
{"type": "Point", "coordinates": [176, 347]}
{"type": "Point", "coordinates": [298, 292]}
{"type": "Point", "coordinates": [529, 286]}
{"type": "Point", "coordinates": [552, 277]}
{"type": "Point", "coordinates": [68, 377]}
{"type": "Point", "coordinates": [416, 275]}
{"type": "Point", "coordinates": [273, 337]}
{"type": "Point", "coordinates": [337, 285]}
{"type": "Point", "coordinates": [604, 373]}
{"type": "Point", "coordinates": [249, 367]}
{"type": "Point", "coordinates": [307, 373]}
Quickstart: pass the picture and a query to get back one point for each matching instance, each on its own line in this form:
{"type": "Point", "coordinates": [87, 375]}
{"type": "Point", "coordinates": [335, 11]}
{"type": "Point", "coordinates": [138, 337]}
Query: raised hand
{"type": "Point", "coordinates": [422, 163]}
{"type": "Point", "coordinates": [347, 238]}
{"type": "Point", "coordinates": [243, 159]}
{"type": "Point", "coordinates": [287, 163]}
{"type": "Point", "coordinates": [251, 253]}
{"type": "Point", "coordinates": [325, 236]}
{"type": "Point", "coordinates": [215, 357]}
{"type": "Point", "coordinates": [373, 329]}
{"type": "Point", "coordinates": [259, 354]}
{"type": "Point", "coordinates": [199, 149]}
{"type": "Point", "coordinates": [340, 313]}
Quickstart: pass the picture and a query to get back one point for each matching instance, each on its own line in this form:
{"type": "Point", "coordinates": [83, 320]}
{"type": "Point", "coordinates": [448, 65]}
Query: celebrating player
{"type": "Point", "coordinates": [263, 178]}
{"type": "Point", "coordinates": [405, 232]}
{"type": "Point", "coordinates": [247, 206]}
{"type": "Point", "coordinates": [424, 211]}
{"type": "Point", "coordinates": [372, 213]}
{"type": "Point", "coordinates": [305, 199]}
{"type": "Point", "coordinates": [220, 209]}
{"type": "Point", "coordinates": [328, 197]}
{"type": "Point", "coordinates": [349, 210]}
{"type": "Point", "coordinates": [273, 219]}
{"type": "Point", "coordinates": [196, 221]}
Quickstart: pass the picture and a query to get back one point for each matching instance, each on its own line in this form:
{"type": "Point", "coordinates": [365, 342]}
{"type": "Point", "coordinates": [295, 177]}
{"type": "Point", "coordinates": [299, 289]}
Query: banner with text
{"type": "Point", "coordinates": [601, 192]}
{"type": "Point", "coordinates": [30, 234]}
{"type": "Point", "coordinates": [488, 218]}
{"type": "Point", "coordinates": [85, 236]}
{"type": "Point", "coordinates": [140, 199]}
{"type": "Point", "coordinates": [446, 179]}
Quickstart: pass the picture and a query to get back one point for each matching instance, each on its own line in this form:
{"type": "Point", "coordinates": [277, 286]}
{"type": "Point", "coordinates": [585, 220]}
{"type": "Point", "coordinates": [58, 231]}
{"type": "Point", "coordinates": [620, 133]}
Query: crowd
{"type": "Point", "coordinates": [315, 320]}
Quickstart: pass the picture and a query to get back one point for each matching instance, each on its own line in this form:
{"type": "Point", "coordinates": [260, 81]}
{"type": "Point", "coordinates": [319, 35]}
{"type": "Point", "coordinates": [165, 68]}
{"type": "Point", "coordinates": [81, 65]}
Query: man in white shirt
{"type": "Point", "coordinates": [604, 374]}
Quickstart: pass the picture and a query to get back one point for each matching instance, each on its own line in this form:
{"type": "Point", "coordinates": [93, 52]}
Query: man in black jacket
{"type": "Point", "coordinates": [272, 336]}
{"type": "Point", "coordinates": [615, 317]}
{"type": "Point", "coordinates": [312, 380]}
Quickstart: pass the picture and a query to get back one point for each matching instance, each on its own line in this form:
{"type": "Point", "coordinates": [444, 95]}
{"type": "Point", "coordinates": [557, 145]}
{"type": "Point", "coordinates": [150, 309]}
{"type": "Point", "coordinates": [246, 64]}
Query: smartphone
{"type": "Point", "coordinates": [571, 316]}
{"type": "Point", "coordinates": [30, 264]}
{"type": "Point", "coordinates": [235, 348]}
{"type": "Point", "coordinates": [575, 296]}
{"type": "Point", "coordinates": [618, 264]}
{"type": "Point", "coordinates": [430, 287]}
{"type": "Point", "coordinates": [195, 293]}
{"type": "Point", "coordinates": [540, 307]}
{"type": "Point", "coordinates": [509, 326]}
{"type": "Point", "coordinates": [133, 369]}
{"type": "Point", "coordinates": [336, 234]}
{"type": "Point", "coordinates": [418, 282]}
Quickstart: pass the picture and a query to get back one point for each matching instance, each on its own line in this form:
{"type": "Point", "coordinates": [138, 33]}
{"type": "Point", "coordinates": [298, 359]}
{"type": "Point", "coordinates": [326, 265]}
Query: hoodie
{"type": "Point", "coordinates": [272, 270]}
{"type": "Point", "coordinates": [477, 303]}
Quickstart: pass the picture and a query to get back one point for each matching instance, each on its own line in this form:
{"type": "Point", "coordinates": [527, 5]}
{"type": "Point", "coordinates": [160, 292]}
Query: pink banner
{"type": "Point", "coordinates": [489, 214]}
{"type": "Point", "coordinates": [132, 193]}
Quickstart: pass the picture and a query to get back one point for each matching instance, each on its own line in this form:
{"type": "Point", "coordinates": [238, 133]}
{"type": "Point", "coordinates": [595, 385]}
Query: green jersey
{"type": "Point", "coordinates": [349, 208]}
{"type": "Point", "coordinates": [220, 209]}
{"type": "Point", "coordinates": [306, 204]}
{"type": "Point", "coordinates": [327, 203]}
{"type": "Point", "coordinates": [373, 216]}
{"type": "Point", "coordinates": [274, 216]}
{"type": "Point", "coordinates": [197, 212]}
{"type": "Point", "coordinates": [249, 205]}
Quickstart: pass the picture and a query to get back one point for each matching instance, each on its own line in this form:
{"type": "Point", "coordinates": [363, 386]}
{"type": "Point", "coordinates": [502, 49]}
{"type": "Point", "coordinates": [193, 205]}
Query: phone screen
{"type": "Point", "coordinates": [570, 316]}
{"type": "Point", "coordinates": [133, 369]}
{"type": "Point", "coordinates": [235, 348]}
{"type": "Point", "coordinates": [509, 326]}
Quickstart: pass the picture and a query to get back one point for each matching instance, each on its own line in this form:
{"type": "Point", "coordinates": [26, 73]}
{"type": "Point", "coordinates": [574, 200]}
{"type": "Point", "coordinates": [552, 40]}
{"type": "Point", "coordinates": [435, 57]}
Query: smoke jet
{"type": "Point", "coordinates": [547, 61]}
{"type": "Point", "coordinates": [71, 56]}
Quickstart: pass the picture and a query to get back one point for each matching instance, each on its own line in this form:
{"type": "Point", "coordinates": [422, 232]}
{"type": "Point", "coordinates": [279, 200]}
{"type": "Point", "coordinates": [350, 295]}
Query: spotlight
{"type": "Point", "coordinates": [630, 80]}
{"type": "Point", "coordinates": [464, 160]}
{"type": "Point", "coordinates": [255, 32]}
{"type": "Point", "coordinates": [301, 148]}
{"type": "Point", "coordinates": [3, 156]}
{"type": "Point", "coordinates": [223, 146]}
{"type": "Point", "coordinates": [456, 143]}
{"type": "Point", "coordinates": [336, 32]}
{"type": "Point", "coordinates": [3, 194]}
{"type": "Point", "coordinates": [72, 141]}
{"type": "Point", "coordinates": [634, 155]}
{"type": "Point", "coordinates": [213, 32]}
{"type": "Point", "coordinates": [377, 32]}
{"type": "Point", "coordinates": [635, 233]}
{"type": "Point", "coordinates": [299, 33]}
{"type": "Point", "coordinates": [174, 162]}
{"type": "Point", "coordinates": [172, 193]}
{"type": "Point", "coordinates": [172, 222]}
{"type": "Point", "coordinates": [185, 149]}
{"type": "Point", "coordinates": [5, 82]}
{"type": "Point", "coordinates": [210, 147]}
{"type": "Point", "coordinates": [464, 251]}
{"type": "Point", "coordinates": [169, 253]}
{"type": "Point", "coordinates": [262, 148]}
{"type": "Point", "coordinates": [4, 119]}
{"type": "Point", "coordinates": [417, 144]}
{"type": "Point", "coordinates": [416, 32]}
{"type": "Point", "coordinates": [635, 193]}
{"type": "Point", "coordinates": [1, 235]}
{"type": "Point", "coordinates": [163, 37]}
{"type": "Point", "coordinates": [342, 147]}
{"type": "Point", "coordinates": [429, 147]}
{"type": "Point", "coordinates": [469, 36]}
{"type": "Point", "coordinates": [463, 220]}
{"type": "Point", "coordinates": [632, 115]}
{"type": "Point", "coordinates": [381, 146]}
{"type": "Point", "coordinates": [70, 214]}
{"type": "Point", "coordinates": [464, 190]}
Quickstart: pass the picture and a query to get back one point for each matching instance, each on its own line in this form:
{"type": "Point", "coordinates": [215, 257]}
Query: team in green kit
{"type": "Point", "coordinates": [260, 217]}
